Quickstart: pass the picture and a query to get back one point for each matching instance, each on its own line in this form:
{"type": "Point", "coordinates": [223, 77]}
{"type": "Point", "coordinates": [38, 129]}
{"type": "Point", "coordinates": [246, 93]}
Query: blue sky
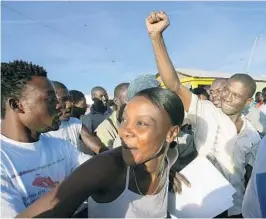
{"type": "Point", "coordinates": [84, 44]}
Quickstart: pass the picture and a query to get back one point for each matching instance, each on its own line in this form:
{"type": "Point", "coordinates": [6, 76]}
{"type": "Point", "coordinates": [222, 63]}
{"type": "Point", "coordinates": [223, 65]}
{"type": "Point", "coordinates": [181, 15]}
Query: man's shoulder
{"type": "Point", "coordinates": [73, 120]}
{"type": "Point", "coordinates": [54, 143]}
{"type": "Point", "coordinates": [251, 132]}
{"type": "Point", "coordinates": [107, 123]}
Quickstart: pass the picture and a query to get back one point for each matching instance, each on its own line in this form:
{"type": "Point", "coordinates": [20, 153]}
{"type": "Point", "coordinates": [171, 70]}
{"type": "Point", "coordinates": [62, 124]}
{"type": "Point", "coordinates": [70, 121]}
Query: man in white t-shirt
{"type": "Point", "coordinates": [72, 129]}
{"type": "Point", "coordinates": [224, 135]}
{"type": "Point", "coordinates": [31, 164]}
{"type": "Point", "coordinates": [254, 204]}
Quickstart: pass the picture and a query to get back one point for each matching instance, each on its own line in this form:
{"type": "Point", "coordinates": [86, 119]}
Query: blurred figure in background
{"type": "Point", "coordinates": [216, 91]}
{"type": "Point", "coordinates": [79, 103]}
{"type": "Point", "coordinates": [99, 110]}
{"type": "Point", "coordinates": [201, 93]}
{"type": "Point", "coordinates": [258, 99]}
{"type": "Point", "coordinates": [107, 131]}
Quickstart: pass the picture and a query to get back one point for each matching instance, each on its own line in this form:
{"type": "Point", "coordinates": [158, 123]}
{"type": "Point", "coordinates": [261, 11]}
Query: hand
{"type": "Point", "coordinates": [175, 181]}
{"type": "Point", "coordinates": [157, 22]}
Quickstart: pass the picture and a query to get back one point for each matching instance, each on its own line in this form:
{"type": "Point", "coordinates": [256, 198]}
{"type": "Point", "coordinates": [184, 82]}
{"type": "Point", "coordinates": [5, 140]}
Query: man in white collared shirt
{"type": "Point", "coordinates": [223, 135]}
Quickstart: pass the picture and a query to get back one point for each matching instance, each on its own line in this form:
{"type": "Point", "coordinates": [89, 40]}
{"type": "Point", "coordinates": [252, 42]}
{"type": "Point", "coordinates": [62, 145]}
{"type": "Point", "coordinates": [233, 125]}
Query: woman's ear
{"type": "Point", "coordinates": [172, 133]}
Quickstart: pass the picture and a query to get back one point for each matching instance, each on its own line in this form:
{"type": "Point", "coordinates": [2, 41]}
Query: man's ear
{"type": "Point", "coordinates": [116, 101]}
{"type": "Point", "coordinates": [172, 134]}
{"type": "Point", "coordinates": [15, 105]}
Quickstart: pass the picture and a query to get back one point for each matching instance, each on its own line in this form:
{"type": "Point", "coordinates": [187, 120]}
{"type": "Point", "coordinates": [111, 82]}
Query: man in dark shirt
{"type": "Point", "coordinates": [99, 110]}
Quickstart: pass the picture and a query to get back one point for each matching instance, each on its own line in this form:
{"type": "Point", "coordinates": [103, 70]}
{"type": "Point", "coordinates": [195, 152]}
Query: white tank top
{"type": "Point", "coordinates": [132, 205]}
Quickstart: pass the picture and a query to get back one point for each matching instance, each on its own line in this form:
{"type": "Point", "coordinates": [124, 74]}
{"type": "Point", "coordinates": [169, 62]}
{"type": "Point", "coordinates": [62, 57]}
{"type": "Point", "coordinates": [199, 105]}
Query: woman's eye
{"type": "Point", "coordinates": [139, 123]}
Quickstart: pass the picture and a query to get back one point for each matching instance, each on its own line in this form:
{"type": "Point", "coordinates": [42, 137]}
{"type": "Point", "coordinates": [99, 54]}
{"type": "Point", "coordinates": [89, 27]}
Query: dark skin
{"type": "Point", "coordinates": [120, 101]}
{"type": "Point", "coordinates": [146, 132]}
{"type": "Point", "coordinates": [100, 99]}
{"type": "Point", "coordinates": [216, 91]}
{"type": "Point", "coordinates": [79, 108]}
{"type": "Point", "coordinates": [236, 93]}
{"type": "Point", "coordinates": [91, 142]}
{"type": "Point", "coordinates": [36, 112]}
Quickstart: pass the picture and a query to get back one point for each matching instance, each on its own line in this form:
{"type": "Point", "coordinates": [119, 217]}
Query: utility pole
{"type": "Point", "coordinates": [252, 53]}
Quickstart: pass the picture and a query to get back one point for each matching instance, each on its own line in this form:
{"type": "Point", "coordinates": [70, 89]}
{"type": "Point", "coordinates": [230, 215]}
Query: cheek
{"type": "Point", "coordinates": [150, 144]}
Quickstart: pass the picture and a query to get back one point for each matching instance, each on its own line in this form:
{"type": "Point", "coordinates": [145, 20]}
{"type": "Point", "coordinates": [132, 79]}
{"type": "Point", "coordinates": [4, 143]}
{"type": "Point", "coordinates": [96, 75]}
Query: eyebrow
{"type": "Point", "coordinates": [142, 116]}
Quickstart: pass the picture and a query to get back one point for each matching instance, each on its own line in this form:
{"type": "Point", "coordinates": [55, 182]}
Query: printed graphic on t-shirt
{"type": "Point", "coordinates": [45, 182]}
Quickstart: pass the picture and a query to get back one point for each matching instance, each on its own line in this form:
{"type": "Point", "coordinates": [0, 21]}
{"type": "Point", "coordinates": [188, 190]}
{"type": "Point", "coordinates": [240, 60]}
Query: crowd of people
{"type": "Point", "coordinates": [123, 157]}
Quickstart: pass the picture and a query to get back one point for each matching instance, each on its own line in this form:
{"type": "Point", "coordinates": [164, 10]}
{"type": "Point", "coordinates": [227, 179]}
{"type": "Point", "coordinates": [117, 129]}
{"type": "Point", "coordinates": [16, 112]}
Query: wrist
{"type": "Point", "coordinates": [156, 36]}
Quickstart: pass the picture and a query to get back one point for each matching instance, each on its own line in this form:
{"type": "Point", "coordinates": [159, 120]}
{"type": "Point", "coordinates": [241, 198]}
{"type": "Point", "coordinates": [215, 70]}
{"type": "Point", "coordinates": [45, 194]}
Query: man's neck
{"type": "Point", "coordinates": [236, 119]}
{"type": "Point", "coordinates": [15, 130]}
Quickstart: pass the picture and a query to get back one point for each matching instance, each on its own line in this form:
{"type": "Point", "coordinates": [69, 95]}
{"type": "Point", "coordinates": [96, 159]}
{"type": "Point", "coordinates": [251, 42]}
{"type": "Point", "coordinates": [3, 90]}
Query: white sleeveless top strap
{"type": "Point", "coordinates": [132, 205]}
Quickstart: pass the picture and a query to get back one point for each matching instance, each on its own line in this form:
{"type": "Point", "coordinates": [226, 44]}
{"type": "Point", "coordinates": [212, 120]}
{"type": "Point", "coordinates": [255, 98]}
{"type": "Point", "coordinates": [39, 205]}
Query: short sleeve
{"type": "Point", "coordinates": [86, 120]}
{"type": "Point", "coordinates": [76, 157]}
{"type": "Point", "coordinates": [11, 202]}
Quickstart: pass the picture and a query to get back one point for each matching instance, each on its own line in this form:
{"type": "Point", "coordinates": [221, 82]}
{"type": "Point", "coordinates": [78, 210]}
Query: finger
{"type": "Point", "coordinates": [149, 19]}
{"type": "Point", "coordinates": [163, 17]}
{"type": "Point", "coordinates": [182, 178]}
{"type": "Point", "coordinates": [157, 18]}
{"type": "Point", "coordinates": [153, 17]}
{"type": "Point", "coordinates": [177, 188]}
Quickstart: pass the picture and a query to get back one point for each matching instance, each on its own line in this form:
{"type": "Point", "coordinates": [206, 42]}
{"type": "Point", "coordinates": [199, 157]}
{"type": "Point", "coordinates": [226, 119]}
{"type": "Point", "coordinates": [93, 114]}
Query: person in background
{"type": "Point", "coordinates": [111, 105]}
{"type": "Point", "coordinates": [254, 204]}
{"type": "Point", "coordinates": [98, 111]}
{"type": "Point", "coordinates": [216, 91]}
{"type": "Point", "coordinates": [71, 129]}
{"type": "Point", "coordinates": [201, 93]}
{"type": "Point", "coordinates": [31, 164]}
{"type": "Point", "coordinates": [224, 135]}
{"type": "Point", "coordinates": [79, 106]}
{"type": "Point", "coordinates": [258, 100]}
{"type": "Point", "coordinates": [107, 131]}
{"type": "Point", "coordinates": [262, 108]}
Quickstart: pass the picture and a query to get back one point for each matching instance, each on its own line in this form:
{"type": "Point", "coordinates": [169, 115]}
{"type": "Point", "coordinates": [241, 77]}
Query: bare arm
{"type": "Point", "coordinates": [156, 23]}
{"type": "Point", "coordinates": [96, 173]}
{"type": "Point", "coordinates": [92, 142]}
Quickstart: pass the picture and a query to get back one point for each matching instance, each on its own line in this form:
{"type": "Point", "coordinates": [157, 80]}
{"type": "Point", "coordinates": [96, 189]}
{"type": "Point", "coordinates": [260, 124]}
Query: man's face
{"type": "Point", "coordinates": [64, 99]}
{"type": "Point", "coordinates": [216, 92]}
{"type": "Point", "coordinates": [121, 98]}
{"type": "Point", "coordinates": [79, 108]}
{"type": "Point", "coordinates": [40, 107]}
{"type": "Point", "coordinates": [102, 96]}
{"type": "Point", "coordinates": [235, 98]}
{"type": "Point", "coordinates": [264, 95]}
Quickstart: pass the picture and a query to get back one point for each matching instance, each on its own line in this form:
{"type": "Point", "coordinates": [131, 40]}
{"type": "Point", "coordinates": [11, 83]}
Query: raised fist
{"type": "Point", "coordinates": [157, 22]}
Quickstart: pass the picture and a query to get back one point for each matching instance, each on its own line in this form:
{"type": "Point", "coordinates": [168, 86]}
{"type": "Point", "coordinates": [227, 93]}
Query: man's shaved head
{"type": "Point", "coordinates": [120, 88]}
{"type": "Point", "coordinates": [216, 91]}
{"type": "Point", "coordinates": [96, 89]}
{"type": "Point", "coordinates": [99, 94]}
{"type": "Point", "coordinates": [120, 95]}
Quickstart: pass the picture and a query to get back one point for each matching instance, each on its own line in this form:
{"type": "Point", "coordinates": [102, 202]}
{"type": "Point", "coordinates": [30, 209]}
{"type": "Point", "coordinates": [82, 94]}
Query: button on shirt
{"type": "Point", "coordinates": [216, 137]}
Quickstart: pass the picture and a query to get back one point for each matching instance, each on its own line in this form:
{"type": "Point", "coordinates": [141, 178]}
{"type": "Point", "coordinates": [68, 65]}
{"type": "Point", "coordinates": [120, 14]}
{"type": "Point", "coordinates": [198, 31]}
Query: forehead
{"type": "Point", "coordinates": [39, 85]}
{"type": "Point", "coordinates": [237, 87]}
{"type": "Point", "coordinates": [100, 92]}
{"type": "Point", "coordinates": [62, 92]}
{"type": "Point", "coordinates": [141, 106]}
{"type": "Point", "coordinates": [218, 84]}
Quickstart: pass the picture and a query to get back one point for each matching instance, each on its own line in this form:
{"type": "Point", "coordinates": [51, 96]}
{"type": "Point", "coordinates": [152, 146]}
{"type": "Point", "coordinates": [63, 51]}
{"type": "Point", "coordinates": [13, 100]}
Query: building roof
{"type": "Point", "coordinates": [211, 74]}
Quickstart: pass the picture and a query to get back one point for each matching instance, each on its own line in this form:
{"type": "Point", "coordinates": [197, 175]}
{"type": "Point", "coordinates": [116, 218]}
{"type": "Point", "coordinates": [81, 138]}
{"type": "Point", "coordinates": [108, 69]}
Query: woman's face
{"type": "Point", "coordinates": [144, 130]}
